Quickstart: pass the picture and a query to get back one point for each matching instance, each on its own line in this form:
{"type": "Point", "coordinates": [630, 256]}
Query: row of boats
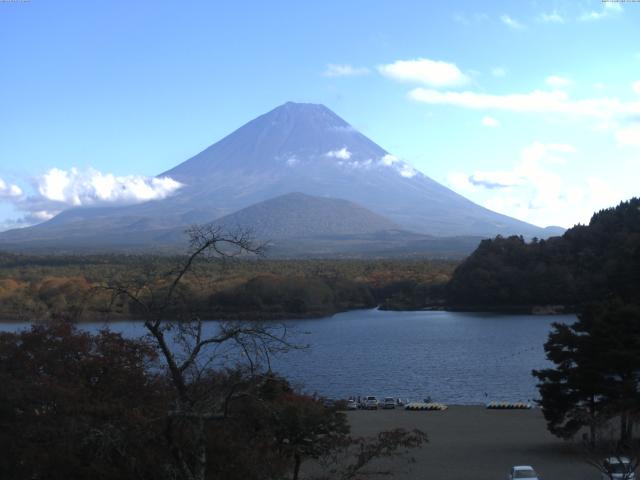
{"type": "Point", "coordinates": [372, 403]}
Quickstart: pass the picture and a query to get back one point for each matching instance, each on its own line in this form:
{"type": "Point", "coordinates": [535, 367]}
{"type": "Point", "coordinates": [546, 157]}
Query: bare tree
{"type": "Point", "coordinates": [349, 458]}
{"type": "Point", "coordinates": [190, 348]}
{"type": "Point", "coordinates": [611, 457]}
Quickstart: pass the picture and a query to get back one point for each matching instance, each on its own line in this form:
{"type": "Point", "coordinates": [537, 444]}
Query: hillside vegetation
{"type": "Point", "coordinates": [296, 215]}
{"type": "Point", "coordinates": [68, 286]}
{"type": "Point", "coordinates": [596, 261]}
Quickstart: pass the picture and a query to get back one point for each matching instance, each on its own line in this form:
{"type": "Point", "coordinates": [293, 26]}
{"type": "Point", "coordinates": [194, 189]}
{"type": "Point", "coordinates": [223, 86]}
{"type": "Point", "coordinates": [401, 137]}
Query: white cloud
{"type": "Point", "coordinates": [31, 218]}
{"type": "Point", "coordinates": [498, 72]}
{"type": "Point", "coordinates": [407, 171]}
{"type": "Point", "coordinates": [344, 70]}
{"type": "Point", "coordinates": [490, 122]}
{"type": "Point", "coordinates": [461, 19]}
{"type": "Point", "coordinates": [549, 153]}
{"type": "Point", "coordinates": [591, 16]}
{"type": "Point", "coordinates": [9, 191]}
{"type": "Point", "coordinates": [42, 215]}
{"type": "Point", "coordinates": [469, 19]}
{"type": "Point", "coordinates": [364, 164]}
{"type": "Point", "coordinates": [389, 160]}
{"type": "Point", "coordinates": [346, 160]}
{"type": "Point", "coordinates": [459, 181]}
{"type": "Point", "coordinates": [342, 154]}
{"type": "Point", "coordinates": [530, 191]}
{"type": "Point", "coordinates": [58, 190]}
{"type": "Point", "coordinates": [511, 22]}
{"type": "Point", "coordinates": [531, 168]}
{"type": "Point", "coordinates": [400, 166]}
{"type": "Point", "coordinates": [635, 86]}
{"type": "Point", "coordinates": [615, 7]}
{"type": "Point", "coordinates": [556, 81]}
{"type": "Point", "coordinates": [434, 73]}
{"type": "Point", "coordinates": [536, 188]}
{"type": "Point", "coordinates": [91, 187]}
{"type": "Point", "coordinates": [495, 179]}
{"type": "Point", "coordinates": [538, 101]}
{"type": "Point", "coordinates": [291, 161]}
{"type": "Point", "coordinates": [608, 9]}
{"type": "Point", "coordinates": [553, 17]}
{"type": "Point", "coordinates": [629, 136]}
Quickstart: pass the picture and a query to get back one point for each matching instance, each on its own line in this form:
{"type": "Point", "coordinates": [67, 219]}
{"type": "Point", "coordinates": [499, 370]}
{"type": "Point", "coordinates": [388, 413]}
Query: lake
{"type": "Point", "coordinates": [455, 358]}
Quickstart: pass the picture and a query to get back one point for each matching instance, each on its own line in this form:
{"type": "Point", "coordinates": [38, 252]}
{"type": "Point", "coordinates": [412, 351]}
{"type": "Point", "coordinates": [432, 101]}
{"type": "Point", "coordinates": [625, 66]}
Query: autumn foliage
{"type": "Point", "coordinates": [69, 287]}
{"type": "Point", "coordinates": [77, 405]}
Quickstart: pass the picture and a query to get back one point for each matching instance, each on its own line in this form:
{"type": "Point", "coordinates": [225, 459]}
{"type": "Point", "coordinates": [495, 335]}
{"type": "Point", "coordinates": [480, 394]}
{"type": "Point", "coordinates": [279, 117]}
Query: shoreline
{"type": "Point", "coordinates": [273, 317]}
{"type": "Point", "coordinates": [497, 309]}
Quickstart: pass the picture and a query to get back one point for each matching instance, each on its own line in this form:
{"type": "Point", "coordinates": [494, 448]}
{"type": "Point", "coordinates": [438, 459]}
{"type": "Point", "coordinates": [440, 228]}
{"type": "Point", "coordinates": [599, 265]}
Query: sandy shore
{"type": "Point", "coordinates": [471, 442]}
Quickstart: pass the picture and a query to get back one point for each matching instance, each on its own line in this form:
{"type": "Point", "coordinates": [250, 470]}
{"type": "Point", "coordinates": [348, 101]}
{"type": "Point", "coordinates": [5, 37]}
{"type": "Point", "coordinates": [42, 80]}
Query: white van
{"type": "Point", "coordinates": [371, 403]}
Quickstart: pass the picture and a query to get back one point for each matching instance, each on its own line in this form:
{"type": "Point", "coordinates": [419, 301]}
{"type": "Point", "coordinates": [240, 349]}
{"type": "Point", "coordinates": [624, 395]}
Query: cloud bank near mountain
{"type": "Point", "coordinates": [58, 189]}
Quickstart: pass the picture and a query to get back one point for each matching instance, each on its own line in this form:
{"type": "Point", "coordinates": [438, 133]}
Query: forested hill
{"type": "Point", "coordinates": [589, 262]}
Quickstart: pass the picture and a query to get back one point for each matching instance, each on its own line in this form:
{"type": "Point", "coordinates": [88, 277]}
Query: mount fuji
{"type": "Point", "coordinates": [302, 148]}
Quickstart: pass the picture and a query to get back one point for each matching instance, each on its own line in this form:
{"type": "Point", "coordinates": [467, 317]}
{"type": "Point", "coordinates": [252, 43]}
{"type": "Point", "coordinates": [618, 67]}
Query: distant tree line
{"type": "Point", "coordinates": [65, 286]}
{"type": "Point", "coordinates": [599, 261]}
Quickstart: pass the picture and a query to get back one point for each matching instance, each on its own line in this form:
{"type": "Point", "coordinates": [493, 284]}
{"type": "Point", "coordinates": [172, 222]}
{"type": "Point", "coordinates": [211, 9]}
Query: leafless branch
{"type": "Point", "coordinates": [170, 323]}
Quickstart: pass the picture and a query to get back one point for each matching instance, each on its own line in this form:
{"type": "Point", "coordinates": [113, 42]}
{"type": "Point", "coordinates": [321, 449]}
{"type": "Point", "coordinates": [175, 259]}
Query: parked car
{"type": "Point", "coordinates": [329, 403]}
{"type": "Point", "coordinates": [522, 471]}
{"type": "Point", "coordinates": [371, 403]}
{"type": "Point", "coordinates": [618, 468]}
{"type": "Point", "coordinates": [352, 404]}
{"type": "Point", "coordinates": [389, 402]}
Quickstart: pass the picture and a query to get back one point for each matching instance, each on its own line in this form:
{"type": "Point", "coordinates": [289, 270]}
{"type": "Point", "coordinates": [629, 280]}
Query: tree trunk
{"type": "Point", "coordinates": [592, 424]}
{"type": "Point", "coordinates": [625, 429]}
{"type": "Point", "coordinates": [296, 468]}
{"type": "Point", "coordinates": [200, 467]}
{"type": "Point", "coordinates": [177, 452]}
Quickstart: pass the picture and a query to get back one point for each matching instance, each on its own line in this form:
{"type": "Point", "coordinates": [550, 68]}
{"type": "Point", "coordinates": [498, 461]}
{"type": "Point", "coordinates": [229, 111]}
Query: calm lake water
{"type": "Point", "coordinates": [456, 358]}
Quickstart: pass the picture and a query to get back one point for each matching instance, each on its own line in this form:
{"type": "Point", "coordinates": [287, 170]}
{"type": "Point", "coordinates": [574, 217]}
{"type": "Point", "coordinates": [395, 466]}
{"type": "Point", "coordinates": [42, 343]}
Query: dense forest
{"type": "Point", "coordinates": [70, 286]}
{"type": "Point", "coordinates": [596, 261]}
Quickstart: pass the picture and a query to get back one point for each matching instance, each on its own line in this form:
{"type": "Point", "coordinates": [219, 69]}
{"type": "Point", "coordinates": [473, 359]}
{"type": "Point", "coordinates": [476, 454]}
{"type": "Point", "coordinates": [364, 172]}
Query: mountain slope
{"type": "Point", "coordinates": [293, 148]}
{"type": "Point", "coordinates": [308, 148]}
{"type": "Point", "coordinates": [296, 215]}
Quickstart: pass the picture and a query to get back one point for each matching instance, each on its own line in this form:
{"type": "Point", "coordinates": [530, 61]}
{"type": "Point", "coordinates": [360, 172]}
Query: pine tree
{"type": "Point", "coordinates": [596, 374]}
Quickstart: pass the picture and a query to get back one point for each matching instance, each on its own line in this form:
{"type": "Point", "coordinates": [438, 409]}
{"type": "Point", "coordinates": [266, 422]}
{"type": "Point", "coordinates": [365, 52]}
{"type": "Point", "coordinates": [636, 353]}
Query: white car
{"type": "Point", "coordinates": [389, 402]}
{"type": "Point", "coordinates": [371, 403]}
{"type": "Point", "coordinates": [618, 468]}
{"type": "Point", "coordinates": [522, 471]}
{"type": "Point", "coordinates": [352, 404]}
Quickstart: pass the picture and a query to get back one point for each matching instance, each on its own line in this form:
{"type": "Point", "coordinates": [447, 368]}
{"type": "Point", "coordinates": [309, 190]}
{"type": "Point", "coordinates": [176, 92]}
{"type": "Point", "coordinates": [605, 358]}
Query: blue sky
{"type": "Point", "coordinates": [531, 108]}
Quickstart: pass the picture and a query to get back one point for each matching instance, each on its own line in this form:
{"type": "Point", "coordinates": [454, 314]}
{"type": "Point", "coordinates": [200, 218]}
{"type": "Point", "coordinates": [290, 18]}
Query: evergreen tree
{"type": "Point", "coordinates": [597, 372]}
{"type": "Point", "coordinates": [598, 261]}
